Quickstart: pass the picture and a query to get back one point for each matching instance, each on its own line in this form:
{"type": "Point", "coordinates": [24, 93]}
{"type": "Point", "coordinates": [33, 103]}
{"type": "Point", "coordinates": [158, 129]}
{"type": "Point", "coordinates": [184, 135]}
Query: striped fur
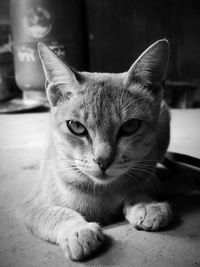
{"type": "Point", "coordinates": [73, 197]}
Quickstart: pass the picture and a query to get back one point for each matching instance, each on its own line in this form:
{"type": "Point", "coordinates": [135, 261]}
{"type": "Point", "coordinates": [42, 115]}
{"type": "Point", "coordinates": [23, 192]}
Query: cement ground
{"type": "Point", "coordinates": [22, 139]}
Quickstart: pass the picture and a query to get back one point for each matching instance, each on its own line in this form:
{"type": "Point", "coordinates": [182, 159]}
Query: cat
{"type": "Point", "coordinates": [108, 133]}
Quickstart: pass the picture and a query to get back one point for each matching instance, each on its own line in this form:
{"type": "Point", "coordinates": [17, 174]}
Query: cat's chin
{"type": "Point", "coordinates": [101, 178]}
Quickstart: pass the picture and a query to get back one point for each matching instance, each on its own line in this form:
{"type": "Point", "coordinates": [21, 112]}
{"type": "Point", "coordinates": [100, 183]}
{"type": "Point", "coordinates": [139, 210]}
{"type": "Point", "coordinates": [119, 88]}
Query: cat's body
{"type": "Point", "coordinates": [86, 198]}
{"type": "Point", "coordinates": [108, 133]}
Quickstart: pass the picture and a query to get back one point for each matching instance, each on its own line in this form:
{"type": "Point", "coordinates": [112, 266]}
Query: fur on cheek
{"type": "Point", "coordinates": [74, 141]}
{"type": "Point", "coordinates": [136, 149]}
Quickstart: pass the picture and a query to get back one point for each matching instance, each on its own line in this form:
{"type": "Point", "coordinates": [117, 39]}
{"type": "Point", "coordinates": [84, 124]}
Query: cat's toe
{"type": "Point", "coordinates": [83, 242]}
{"type": "Point", "coordinates": [150, 216]}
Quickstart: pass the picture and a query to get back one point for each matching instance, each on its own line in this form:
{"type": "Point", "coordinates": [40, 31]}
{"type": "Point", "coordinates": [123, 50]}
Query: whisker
{"type": "Point", "coordinates": [135, 100]}
{"type": "Point", "coordinates": [146, 171]}
{"type": "Point", "coordinates": [135, 176]}
{"type": "Point", "coordinates": [121, 98]}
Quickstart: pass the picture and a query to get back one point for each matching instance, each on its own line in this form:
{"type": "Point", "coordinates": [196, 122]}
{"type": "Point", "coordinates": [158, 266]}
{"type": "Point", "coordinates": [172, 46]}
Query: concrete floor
{"type": "Point", "coordinates": [22, 139]}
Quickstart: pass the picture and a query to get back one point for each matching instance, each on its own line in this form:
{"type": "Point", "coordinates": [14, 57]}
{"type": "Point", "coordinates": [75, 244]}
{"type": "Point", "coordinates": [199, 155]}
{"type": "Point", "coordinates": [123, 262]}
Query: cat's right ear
{"type": "Point", "coordinates": [59, 77]}
{"type": "Point", "coordinates": [151, 66]}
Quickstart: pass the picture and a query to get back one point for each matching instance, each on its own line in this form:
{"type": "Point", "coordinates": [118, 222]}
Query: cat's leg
{"type": "Point", "coordinates": [66, 227]}
{"type": "Point", "coordinates": [148, 215]}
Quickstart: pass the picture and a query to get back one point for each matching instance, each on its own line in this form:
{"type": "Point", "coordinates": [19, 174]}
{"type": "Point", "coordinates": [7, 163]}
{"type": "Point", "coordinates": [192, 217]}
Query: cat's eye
{"type": "Point", "coordinates": [76, 127]}
{"type": "Point", "coordinates": [130, 127]}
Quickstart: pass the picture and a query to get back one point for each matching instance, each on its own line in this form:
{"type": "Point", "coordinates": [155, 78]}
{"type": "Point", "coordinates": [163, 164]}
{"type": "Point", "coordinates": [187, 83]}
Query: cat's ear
{"type": "Point", "coordinates": [59, 76]}
{"type": "Point", "coordinates": [151, 66]}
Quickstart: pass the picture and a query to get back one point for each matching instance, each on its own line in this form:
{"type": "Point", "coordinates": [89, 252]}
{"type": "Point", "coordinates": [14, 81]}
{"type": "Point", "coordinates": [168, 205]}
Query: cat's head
{"type": "Point", "coordinates": [104, 124]}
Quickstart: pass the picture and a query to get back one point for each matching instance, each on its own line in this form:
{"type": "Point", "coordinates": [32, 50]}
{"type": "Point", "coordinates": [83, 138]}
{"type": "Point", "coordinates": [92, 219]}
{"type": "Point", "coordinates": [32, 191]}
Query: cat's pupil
{"type": "Point", "coordinates": [76, 127]}
{"type": "Point", "coordinates": [130, 127]}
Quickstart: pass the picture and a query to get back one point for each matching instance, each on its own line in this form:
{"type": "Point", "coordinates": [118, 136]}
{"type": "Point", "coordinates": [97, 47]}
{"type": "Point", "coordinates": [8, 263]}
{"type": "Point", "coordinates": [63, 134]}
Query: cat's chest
{"type": "Point", "coordinates": [103, 208]}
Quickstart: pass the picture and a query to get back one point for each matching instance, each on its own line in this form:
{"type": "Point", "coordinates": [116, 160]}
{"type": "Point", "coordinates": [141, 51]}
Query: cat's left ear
{"type": "Point", "coordinates": [151, 66]}
{"type": "Point", "coordinates": [59, 77]}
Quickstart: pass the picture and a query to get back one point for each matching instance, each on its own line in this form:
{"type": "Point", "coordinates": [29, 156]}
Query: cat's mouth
{"type": "Point", "coordinates": [103, 176]}
{"type": "Point", "coordinates": [103, 179]}
{"type": "Point", "coordinates": [99, 176]}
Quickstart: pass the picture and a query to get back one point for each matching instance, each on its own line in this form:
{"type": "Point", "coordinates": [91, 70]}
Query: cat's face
{"type": "Point", "coordinates": [105, 124]}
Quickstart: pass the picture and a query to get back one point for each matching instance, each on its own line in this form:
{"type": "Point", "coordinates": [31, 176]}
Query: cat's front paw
{"type": "Point", "coordinates": [82, 241]}
{"type": "Point", "coordinates": [150, 216]}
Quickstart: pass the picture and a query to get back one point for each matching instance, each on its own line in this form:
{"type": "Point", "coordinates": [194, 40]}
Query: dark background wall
{"type": "Point", "coordinates": [119, 30]}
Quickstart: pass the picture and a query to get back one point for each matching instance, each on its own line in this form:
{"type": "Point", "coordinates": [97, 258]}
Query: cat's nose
{"type": "Point", "coordinates": [103, 163]}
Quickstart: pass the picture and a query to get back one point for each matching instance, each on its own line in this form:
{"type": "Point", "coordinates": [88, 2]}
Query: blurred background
{"type": "Point", "coordinates": [101, 35]}
{"type": "Point", "coordinates": [104, 36]}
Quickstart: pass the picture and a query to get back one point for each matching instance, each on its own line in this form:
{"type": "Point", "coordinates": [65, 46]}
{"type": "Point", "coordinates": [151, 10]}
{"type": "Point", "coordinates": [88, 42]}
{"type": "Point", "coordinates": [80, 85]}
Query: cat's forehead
{"type": "Point", "coordinates": [98, 103]}
{"type": "Point", "coordinates": [101, 89]}
{"type": "Point", "coordinates": [105, 98]}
